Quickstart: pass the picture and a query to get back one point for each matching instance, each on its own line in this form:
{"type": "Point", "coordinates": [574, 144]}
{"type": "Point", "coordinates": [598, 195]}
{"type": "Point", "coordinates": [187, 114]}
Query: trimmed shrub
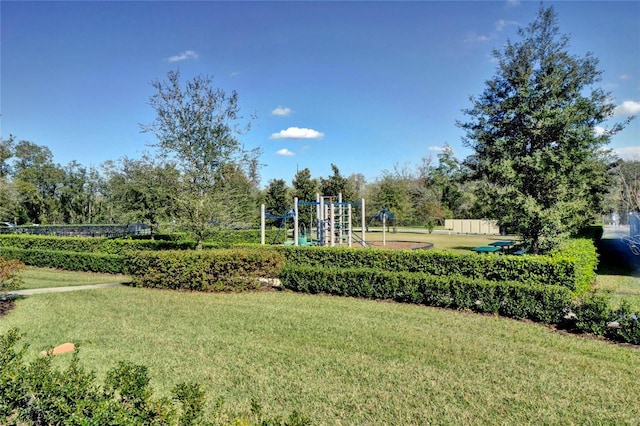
{"type": "Point", "coordinates": [628, 329]}
{"type": "Point", "coordinates": [572, 267]}
{"type": "Point", "coordinates": [511, 299]}
{"type": "Point", "coordinates": [67, 260]}
{"type": "Point", "coordinates": [206, 270]}
{"type": "Point", "coordinates": [594, 316]}
{"type": "Point", "coordinates": [593, 313]}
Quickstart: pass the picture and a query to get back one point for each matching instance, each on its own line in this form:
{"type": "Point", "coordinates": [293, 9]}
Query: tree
{"type": "Point", "coordinates": [144, 190]}
{"type": "Point", "coordinates": [304, 187]}
{"type": "Point", "coordinates": [81, 194]}
{"type": "Point", "coordinates": [9, 203]}
{"type": "Point", "coordinates": [393, 191]}
{"type": "Point", "coordinates": [197, 128]}
{"type": "Point", "coordinates": [275, 198]}
{"type": "Point", "coordinates": [38, 181]}
{"type": "Point", "coordinates": [629, 185]}
{"type": "Point", "coordinates": [336, 184]}
{"type": "Point", "coordinates": [533, 131]}
{"type": "Point", "coordinates": [238, 197]}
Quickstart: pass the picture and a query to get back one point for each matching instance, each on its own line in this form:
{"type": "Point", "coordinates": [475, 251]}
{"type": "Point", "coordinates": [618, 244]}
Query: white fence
{"type": "Point", "coordinates": [472, 226]}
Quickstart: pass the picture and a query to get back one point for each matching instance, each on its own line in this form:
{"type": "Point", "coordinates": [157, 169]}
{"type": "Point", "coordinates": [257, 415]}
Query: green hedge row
{"type": "Point", "coordinates": [594, 315]}
{"type": "Point", "coordinates": [206, 270]}
{"type": "Point", "coordinates": [88, 244]}
{"type": "Point", "coordinates": [218, 239]}
{"type": "Point", "coordinates": [572, 267]}
{"type": "Point", "coordinates": [540, 303]}
{"type": "Point", "coordinates": [67, 260]}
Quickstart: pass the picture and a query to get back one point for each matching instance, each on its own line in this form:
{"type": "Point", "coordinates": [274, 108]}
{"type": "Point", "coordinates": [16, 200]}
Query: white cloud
{"type": "Point", "coordinates": [283, 112]}
{"type": "Point", "coordinates": [628, 152]}
{"type": "Point", "coordinates": [498, 27]}
{"type": "Point", "coordinates": [625, 77]}
{"type": "Point", "coordinates": [297, 133]}
{"type": "Point", "coordinates": [513, 3]}
{"type": "Point", "coordinates": [187, 54]}
{"type": "Point", "coordinates": [436, 148]}
{"type": "Point", "coordinates": [501, 24]}
{"type": "Point", "coordinates": [599, 131]}
{"type": "Point", "coordinates": [285, 152]}
{"type": "Point", "coordinates": [627, 108]}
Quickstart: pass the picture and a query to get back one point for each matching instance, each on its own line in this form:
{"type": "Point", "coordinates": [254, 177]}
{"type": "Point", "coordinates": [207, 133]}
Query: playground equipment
{"type": "Point", "coordinates": [282, 222]}
{"type": "Point", "coordinates": [333, 222]}
{"type": "Point", "coordinates": [383, 215]}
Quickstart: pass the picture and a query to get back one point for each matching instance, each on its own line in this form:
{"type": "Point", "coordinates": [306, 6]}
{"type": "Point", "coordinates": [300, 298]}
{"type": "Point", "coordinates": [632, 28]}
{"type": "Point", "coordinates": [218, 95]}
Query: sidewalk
{"type": "Point", "coordinates": [59, 289]}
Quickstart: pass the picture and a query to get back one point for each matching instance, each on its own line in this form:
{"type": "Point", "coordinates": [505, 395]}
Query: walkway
{"type": "Point", "coordinates": [59, 289]}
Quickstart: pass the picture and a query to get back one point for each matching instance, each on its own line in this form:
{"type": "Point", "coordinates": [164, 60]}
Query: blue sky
{"type": "Point", "coordinates": [363, 85]}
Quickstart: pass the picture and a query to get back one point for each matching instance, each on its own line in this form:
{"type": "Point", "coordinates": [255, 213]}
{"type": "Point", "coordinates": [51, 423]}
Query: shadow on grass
{"type": "Point", "coordinates": [616, 259]}
{"type": "Point", "coordinates": [464, 248]}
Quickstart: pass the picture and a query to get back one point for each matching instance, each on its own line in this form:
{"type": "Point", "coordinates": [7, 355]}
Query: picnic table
{"type": "Point", "coordinates": [486, 249]}
{"type": "Point", "coordinates": [503, 245]}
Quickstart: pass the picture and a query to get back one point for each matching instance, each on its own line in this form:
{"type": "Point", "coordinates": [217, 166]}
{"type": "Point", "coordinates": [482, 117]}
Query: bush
{"type": "Point", "coordinates": [516, 300]}
{"type": "Point", "coordinates": [628, 329]}
{"type": "Point", "coordinates": [572, 267]}
{"type": "Point", "coordinates": [593, 313]}
{"type": "Point", "coordinates": [216, 270]}
{"type": "Point", "coordinates": [38, 393]}
{"type": "Point", "coordinates": [594, 316]}
{"type": "Point", "coordinates": [67, 260]}
{"type": "Point", "coordinates": [10, 274]}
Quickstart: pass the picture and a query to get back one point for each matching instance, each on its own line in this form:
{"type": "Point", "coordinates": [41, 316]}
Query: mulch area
{"type": "Point", "coordinates": [6, 306]}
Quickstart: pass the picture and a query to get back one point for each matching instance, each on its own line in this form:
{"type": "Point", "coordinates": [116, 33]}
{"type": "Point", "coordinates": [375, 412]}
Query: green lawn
{"type": "Point", "coordinates": [441, 241]}
{"type": "Point", "coordinates": [43, 278]}
{"type": "Point", "coordinates": [343, 361]}
{"type": "Point", "coordinates": [622, 287]}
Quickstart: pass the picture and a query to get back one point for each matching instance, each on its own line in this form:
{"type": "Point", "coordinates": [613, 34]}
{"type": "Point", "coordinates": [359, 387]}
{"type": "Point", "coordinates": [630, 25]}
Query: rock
{"type": "Point", "coordinates": [61, 349]}
{"type": "Point", "coordinates": [614, 324]}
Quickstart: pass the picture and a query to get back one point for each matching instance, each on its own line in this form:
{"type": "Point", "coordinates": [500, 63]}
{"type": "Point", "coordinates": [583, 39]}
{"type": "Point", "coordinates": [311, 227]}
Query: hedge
{"type": "Point", "coordinates": [206, 270]}
{"type": "Point", "coordinates": [217, 239]}
{"type": "Point", "coordinates": [572, 267]}
{"type": "Point", "coordinates": [67, 260]}
{"type": "Point", "coordinates": [540, 303]}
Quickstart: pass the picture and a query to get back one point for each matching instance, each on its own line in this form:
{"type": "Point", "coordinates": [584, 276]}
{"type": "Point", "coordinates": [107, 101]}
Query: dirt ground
{"type": "Point", "coordinates": [397, 245]}
{"type": "Point", "coordinates": [5, 307]}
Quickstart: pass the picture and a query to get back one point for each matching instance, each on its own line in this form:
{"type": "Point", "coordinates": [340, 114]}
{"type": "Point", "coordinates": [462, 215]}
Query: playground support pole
{"type": "Point", "coordinates": [341, 230]}
{"type": "Point", "coordinates": [295, 221]}
{"type": "Point", "coordinates": [262, 225]}
{"type": "Point", "coordinates": [332, 218]}
{"type": "Point", "coordinates": [384, 229]}
{"type": "Point", "coordinates": [349, 226]}
{"type": "Point", "coordinates": [364, 224]}
{"type": "Point", "coordinates": [320, 220]}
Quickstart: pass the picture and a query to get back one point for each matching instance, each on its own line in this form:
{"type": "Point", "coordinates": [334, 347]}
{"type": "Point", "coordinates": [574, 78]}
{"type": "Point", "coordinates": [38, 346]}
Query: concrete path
{"type": "Point", "coordinates": [59, 289]}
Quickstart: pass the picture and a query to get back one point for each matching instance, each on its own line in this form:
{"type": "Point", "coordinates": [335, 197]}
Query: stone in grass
{"type": "Point", "coordinates": [61, 349]}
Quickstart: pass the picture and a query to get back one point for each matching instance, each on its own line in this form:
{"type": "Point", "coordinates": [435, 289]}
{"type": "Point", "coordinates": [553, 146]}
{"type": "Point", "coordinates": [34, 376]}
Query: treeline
{"type": "Point", "coordinates": [35, 190]}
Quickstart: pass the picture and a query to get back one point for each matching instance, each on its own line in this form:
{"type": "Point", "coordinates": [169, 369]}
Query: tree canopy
{"type": "Point", "coordinates": [533, 130]}
{"type": "Point", "coordinates": [197, 127]}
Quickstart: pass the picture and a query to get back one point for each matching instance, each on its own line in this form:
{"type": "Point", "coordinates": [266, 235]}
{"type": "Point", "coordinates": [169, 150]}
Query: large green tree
{"type": "Point", "coordinates": [197, 126]}
{"type": "Point", "coordinates": [143, 190]}
{"type": "Point", "coordinates": [533, 130]}
{"type": "Point", "coordinates": [336, 184]}
{"type": "Point", "coordinates": [38, 182]}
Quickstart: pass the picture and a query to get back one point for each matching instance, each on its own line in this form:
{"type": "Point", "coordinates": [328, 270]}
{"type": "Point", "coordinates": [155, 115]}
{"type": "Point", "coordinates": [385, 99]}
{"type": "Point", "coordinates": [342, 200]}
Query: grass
{"type": "Point", "coordinates": [44, 278]}
{"type": "Point", "coordinates": [343, 361]}
{"type": "Point", "coordinates": [622, 287]}
{"type": "Point", "coordinates": [441, 240]}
